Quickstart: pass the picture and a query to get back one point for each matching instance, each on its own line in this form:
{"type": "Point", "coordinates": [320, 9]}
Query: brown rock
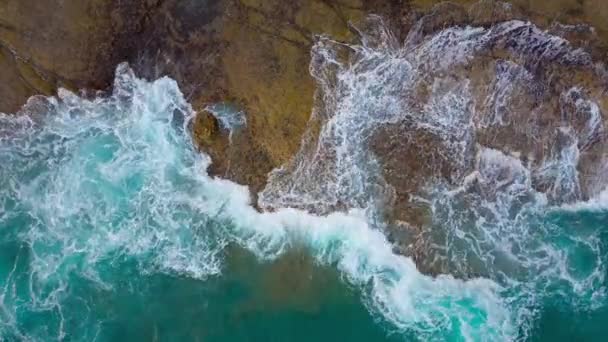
{"type": "Point", "coordinates": [255, 54]}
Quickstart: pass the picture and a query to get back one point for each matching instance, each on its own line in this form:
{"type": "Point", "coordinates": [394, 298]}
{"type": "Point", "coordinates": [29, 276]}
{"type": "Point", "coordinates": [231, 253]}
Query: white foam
{"type": "Point", "coordinates": [229, 116]}
{"type": "Point", "coordinates": [397, 290]}
{"type": "Point", "coordinates": [488, 217]}
{"type": "Point", "coordinates": [116, 178]}
{"type": "Point", "coordinates": [598, 203]}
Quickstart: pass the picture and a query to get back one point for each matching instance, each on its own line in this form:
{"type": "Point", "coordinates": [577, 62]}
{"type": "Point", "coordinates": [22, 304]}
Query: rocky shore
{"type": "Point", "coordinates": [254, 57]}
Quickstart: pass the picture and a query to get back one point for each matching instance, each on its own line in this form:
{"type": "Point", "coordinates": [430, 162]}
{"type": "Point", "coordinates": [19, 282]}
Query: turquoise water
{"type": "Point", "coordinates": [584, 319]}
{"type": "Point", "coordinates": [111, 230]}
{"type": "Point", "coordinates": [234, 307]}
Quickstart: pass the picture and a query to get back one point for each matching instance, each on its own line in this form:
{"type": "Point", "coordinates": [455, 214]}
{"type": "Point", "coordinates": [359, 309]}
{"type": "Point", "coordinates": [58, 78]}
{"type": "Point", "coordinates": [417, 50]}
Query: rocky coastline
{"type": "Point", "coordinates": [255, 56]}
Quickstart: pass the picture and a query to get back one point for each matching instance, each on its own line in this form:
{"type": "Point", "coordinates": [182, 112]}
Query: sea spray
{"type": "Point", "coordinates": [91, 183]}
{"type": "Point", "coordinates": [494, 150]}
{"type": "Point", "coordinates": [90, 187]}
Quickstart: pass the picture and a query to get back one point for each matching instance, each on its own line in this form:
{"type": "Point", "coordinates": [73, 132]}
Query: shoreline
{"type": "Point", "coordinates": [257, 57]}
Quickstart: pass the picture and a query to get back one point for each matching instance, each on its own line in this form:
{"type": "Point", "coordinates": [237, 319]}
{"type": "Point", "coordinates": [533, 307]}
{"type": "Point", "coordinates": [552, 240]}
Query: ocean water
{"type": "Point", "coordinates": [109, 223]}
{"type": "Point", "coordinates": [110, 229]}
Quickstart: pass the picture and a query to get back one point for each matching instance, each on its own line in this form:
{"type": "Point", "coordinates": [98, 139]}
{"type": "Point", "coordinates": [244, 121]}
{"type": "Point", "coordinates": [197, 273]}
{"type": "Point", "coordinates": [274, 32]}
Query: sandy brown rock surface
{"type": "Point", "coordinates": [255, 56]}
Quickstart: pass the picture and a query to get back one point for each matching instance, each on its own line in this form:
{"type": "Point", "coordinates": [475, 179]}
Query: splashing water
{"type": "Point", "coordinates": [92, 186]}
{"type": "Point", "coordinates": [514, 154]}
{"type": "Point", "coordinates": [89, 185]}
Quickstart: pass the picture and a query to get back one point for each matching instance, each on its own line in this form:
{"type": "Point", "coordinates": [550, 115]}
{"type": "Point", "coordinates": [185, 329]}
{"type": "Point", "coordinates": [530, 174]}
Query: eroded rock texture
{"type": "Point", "coordinates": [348, 108]}
{"type": "Point", "coordinates": [455, 130]}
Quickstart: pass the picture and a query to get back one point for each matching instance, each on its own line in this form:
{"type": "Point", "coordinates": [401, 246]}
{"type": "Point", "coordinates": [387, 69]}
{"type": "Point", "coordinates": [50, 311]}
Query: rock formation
{"type": "Point", "coordinates": [253, 57]}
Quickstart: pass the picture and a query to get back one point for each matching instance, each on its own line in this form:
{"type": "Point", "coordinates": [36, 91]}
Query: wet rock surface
{"type": "Point", "coordinates": [532, 95]}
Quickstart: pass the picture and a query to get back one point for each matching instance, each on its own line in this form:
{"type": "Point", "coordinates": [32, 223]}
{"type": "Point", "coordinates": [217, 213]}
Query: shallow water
{"type": "Point", "coordinates": [110, 229]}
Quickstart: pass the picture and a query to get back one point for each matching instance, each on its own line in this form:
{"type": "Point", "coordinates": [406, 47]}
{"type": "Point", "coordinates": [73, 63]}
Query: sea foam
{"type": "Point", "coordinates": [116, 178]}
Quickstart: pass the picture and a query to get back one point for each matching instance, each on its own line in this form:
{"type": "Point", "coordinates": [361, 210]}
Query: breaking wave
{"type": "Point", "coordinates": [86, 184]}
{"type": "Point", "coordinates": [115, 179]}
{"type": "Point", "coordinates": [468, 124]}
